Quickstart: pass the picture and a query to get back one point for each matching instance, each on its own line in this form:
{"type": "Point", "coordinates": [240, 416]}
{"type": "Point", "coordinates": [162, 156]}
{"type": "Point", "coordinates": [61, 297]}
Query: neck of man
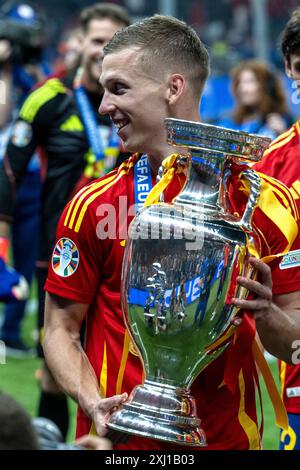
{"type": "Point", "coordinates": [156, 159]}
{"type": "Point", "coordinates": [157, 156]}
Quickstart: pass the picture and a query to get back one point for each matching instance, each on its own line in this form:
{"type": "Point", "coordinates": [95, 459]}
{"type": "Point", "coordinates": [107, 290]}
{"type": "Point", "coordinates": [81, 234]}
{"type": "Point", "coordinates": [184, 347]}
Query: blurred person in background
{"type": "Point", "coordinates": [19, 432]}
{"type": "Point", "coordinates": [77, 144]}
{"type": "Point", "coordinates": [261, 106]}
{"type": "Point", "coordinates": [282, 161]}
{"type": "Point", "coordinates": [16, 430]}
{"type": "Point", "coordinates": [22, 32]}
{"type": "Point", "coordinates": [69, 50]}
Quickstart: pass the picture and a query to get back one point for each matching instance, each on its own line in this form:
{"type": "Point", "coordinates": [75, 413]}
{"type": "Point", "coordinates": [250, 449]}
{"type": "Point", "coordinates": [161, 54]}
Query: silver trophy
{"type": "Point", "coordinates": [179, 275]}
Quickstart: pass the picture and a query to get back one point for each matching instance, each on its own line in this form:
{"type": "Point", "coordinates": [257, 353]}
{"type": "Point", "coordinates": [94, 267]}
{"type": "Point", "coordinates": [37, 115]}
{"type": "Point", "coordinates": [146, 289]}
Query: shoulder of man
{"type": "Point", "coordinates": [48, 91]}
{"type": "Point", "coordinates": [105, 190]}
{"type": "Point", "coordinates": [284, 141]}
{"type": "Point", "coordinates": [278, 160]}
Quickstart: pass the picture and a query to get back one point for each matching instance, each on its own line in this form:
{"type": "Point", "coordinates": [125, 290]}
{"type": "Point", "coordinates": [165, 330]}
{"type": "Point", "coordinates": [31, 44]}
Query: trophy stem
{"type": "Point", "coordinates": [204, 181]}
{"type": "Point", "coordinates": [162, 412]}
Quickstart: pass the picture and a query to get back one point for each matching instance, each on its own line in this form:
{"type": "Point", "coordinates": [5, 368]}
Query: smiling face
{"type": "Point", "coordinates": [99, 33]}
{"type": "Point", "coordinates": [136, 100]}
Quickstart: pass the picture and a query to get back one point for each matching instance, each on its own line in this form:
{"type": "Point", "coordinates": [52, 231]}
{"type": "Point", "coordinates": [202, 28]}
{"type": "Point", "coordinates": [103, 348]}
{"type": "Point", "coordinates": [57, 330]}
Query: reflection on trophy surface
{"type": "Point", "coordinates": [179, 276]}
{"type": "Point", "coordinates": [154, 308]}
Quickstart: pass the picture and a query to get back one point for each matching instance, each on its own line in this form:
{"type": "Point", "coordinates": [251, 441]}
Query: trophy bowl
{"type": "Point", "coordinates": [179, 275]}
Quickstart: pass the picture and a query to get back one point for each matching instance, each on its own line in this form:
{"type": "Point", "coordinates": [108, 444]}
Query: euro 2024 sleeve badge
{"type": "Point", "coordinates": [65, 258]}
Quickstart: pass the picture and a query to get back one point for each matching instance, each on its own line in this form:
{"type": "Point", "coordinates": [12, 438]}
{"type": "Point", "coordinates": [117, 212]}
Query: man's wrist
{"type": "Point", "coordinates": [89, 406]}
{"type": "Point", "coordinates": [266, 316]}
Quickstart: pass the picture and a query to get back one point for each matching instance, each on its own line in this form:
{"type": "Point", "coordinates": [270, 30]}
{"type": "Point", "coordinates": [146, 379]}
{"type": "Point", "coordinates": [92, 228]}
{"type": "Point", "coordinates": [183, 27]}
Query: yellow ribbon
{"type": "Point", "coordinates": [153, 196]}
{"type": "Point", "coordinates": [279, 408]}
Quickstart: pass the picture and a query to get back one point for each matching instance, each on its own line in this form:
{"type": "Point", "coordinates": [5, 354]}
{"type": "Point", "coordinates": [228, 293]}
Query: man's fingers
{"type": "Point", "coordinates": [104, 410]}
{"type": "Point", "coordinates": [94, 442]}
{"type": "Point", "coordinates": [255, 287]}
{"type": "Point", "coordinates": [263, 270]}
{"type": "Point", "coordinates": [109, 403]}
{"type": "Point", "coordinates": [257, 304]}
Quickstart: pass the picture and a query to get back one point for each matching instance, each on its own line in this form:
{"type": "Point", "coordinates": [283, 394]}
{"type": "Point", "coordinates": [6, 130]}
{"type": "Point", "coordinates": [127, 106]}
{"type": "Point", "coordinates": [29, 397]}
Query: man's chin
{"type": "Point", "coordinates": [127, 147]}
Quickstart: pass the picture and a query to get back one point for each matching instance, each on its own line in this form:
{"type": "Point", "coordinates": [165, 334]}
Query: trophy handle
{"type": "Point", "coordinates": [253, 178]}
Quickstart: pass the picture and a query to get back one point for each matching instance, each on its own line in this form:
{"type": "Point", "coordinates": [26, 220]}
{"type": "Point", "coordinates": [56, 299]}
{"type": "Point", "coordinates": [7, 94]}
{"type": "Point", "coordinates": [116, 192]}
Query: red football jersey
{"type": "Point", "coordinates": [93, 277]}
{"type": "Point", "coordinates": [282, 161]}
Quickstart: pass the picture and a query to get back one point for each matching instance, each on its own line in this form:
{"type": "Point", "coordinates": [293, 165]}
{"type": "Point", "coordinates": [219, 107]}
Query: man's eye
{"type": "Point", "coordinates": [119, 88]}
{"type": "Point", "coordinates": [98, 42]}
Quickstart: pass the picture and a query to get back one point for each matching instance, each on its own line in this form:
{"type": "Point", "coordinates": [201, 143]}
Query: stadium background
{"type": "Point", "coordinates": [233, 30]}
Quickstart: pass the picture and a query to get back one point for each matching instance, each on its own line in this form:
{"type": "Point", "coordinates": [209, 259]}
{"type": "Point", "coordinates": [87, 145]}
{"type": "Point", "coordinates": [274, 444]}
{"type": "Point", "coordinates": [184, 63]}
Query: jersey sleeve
{"type": "Point", "coordinates": [77, 261]}
{"type": "Point", "coordinates": [281, 161]}
{"type": "Point", "coordinates": [286, 273]}
{"type": "Point", "coordinates": [275, 219]}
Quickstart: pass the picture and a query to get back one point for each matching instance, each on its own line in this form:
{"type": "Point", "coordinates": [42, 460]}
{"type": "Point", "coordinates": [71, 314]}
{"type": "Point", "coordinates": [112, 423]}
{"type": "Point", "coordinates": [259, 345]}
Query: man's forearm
{"type": "Point", "coordinates": [68, 362]}
{"type": "Point", "coordinates": [278, 329]}
{"type": "Point", "coordinates": [71, 369]}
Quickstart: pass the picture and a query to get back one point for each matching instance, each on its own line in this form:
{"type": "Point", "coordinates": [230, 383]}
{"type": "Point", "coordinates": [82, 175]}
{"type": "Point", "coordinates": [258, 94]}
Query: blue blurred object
{"type": "Point", "coordinates": [292, 94]}
{"type": "Point", "coordinates": [10, 278]}
{"type": "Point", "coordinates": [217, 98]}
{"type": "Point", "coordinates": [22, 23]}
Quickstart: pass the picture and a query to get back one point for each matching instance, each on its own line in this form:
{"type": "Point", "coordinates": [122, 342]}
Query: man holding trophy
{"type": "Point", "coordinates": [153, 70]}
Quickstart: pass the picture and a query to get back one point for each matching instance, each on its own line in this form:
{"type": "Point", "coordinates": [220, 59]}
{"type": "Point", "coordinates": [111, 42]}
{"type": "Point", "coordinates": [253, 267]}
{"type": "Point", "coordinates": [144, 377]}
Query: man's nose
{"type": "Point", "coordinates": [106, 105]}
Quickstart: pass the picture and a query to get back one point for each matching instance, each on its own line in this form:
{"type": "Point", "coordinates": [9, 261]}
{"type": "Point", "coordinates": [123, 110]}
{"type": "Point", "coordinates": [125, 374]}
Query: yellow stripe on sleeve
{"type": "Point", "coordinates": [81, 195]}
{"type": "Point", "coordinates": [279, 144]}
{"type": "Point", "coordinates": [283, 135]}
{"type": "Point", "coordinates": [84, 192]}
{"type": "Point", "coordinates": [283, 192]}
{"type": "Point", "coordinates": [275, 211]}
{"type": "Point", "coordinates": [39, 97]}
{"type": "Point", "coordinates": [92, 198]}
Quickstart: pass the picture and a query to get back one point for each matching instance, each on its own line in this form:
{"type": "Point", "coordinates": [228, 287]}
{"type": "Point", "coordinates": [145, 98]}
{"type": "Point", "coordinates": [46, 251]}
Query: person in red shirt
{"type": "Point", "coordinates": [152, 70]}
{"type": "Point", "coordinates": [281, 161]}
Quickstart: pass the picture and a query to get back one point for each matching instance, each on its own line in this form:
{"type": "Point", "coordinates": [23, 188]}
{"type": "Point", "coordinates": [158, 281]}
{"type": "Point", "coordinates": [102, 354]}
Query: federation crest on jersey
{"type": "Point", "coordinates": [21, 134]}
{"type": "Point", "coordinates": [65, 258]}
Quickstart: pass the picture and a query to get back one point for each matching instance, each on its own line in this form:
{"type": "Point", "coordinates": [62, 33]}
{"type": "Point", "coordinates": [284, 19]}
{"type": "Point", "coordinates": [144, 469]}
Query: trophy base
{"type": "Point", "coordinates": [161, 412]}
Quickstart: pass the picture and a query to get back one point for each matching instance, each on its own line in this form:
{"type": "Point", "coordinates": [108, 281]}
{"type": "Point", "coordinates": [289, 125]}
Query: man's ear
{"type": "Point", "coordinates": [175, 87]}
{"type": "Point", "coordinates": [287, 68]}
